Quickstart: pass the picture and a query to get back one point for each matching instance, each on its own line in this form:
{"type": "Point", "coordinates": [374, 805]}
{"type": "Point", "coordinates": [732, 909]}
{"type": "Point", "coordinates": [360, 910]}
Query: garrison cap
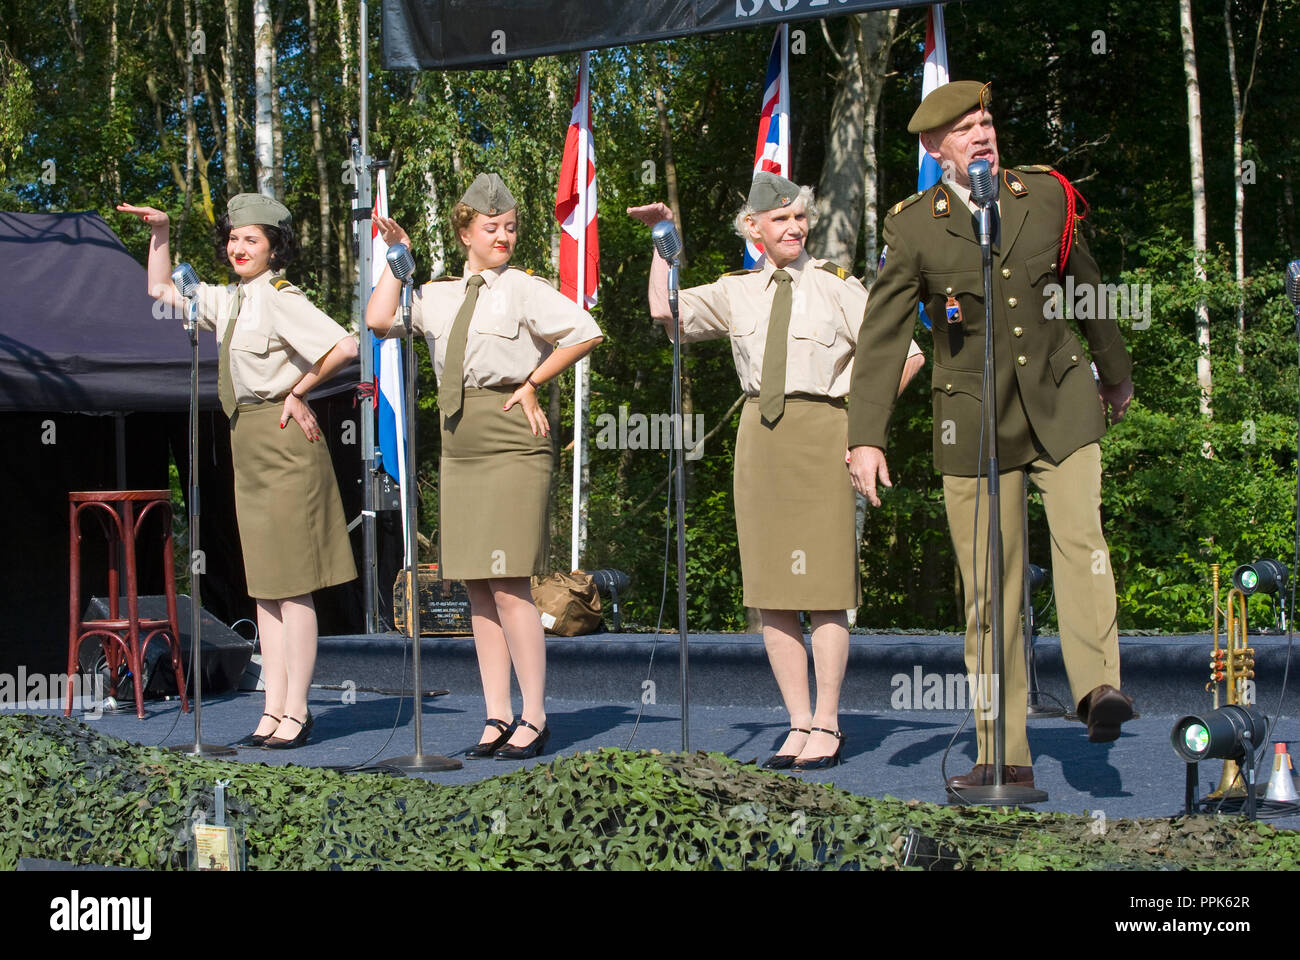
{"type": "Point", "coordinates": [488, 195]}
{"type": "Point", "coordinates": [247, 209]}
{"type": "Point", "coordinates": [946, 103]}
{"type": "Point", "coordinates": [769, 191]}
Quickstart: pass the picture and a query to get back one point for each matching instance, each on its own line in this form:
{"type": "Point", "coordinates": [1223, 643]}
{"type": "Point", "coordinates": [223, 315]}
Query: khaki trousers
{"type": "Point", "coordinates": [1081, 577]}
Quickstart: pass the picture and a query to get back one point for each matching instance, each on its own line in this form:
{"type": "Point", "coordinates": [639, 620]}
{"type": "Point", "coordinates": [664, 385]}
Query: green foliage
{"type": "Point", "coordinates": [68, 793]}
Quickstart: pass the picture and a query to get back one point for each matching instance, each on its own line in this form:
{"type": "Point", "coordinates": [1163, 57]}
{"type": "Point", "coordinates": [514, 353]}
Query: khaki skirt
{"type": "Point", "coordinates": [494, 491]}
{"type": "Point", "coordinates": [794, 508]}
{"type": "Point", "coordinates": [291, 523]}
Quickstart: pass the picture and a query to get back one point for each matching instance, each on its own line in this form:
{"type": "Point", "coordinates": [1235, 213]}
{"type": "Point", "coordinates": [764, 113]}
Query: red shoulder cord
{"type": "Point", "coordinates": [1067, 235]}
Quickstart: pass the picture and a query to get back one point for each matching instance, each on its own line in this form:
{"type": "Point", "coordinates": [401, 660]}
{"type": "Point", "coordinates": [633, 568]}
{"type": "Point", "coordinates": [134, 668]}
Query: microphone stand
{"type": "Point", "coordinates": [418, 762]}
{"type": "Point", "coordinates": [679, 470]}
{"type": "Point", "coordinates": [999, 793]}
{"type": "Point", "coordinates": [198, 748]}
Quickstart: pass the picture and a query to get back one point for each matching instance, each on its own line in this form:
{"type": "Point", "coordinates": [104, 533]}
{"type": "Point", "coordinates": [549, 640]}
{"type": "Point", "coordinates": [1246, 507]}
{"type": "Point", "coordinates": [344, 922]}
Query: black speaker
{"type": "Point", "coordinates": [225, 653]}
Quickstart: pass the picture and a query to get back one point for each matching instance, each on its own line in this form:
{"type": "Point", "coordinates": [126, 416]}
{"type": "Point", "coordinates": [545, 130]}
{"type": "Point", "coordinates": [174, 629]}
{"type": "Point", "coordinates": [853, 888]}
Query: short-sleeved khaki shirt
{"type": "Point", "coordinates": [279, 335]}
{"type": "Point", "coordinates": [518, 320]}
{"type": "Point", "coordinates": [826, 311]}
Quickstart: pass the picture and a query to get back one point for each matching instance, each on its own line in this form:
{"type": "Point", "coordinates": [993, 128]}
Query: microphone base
{"type": "Point", "coordinates": [422, 763]}
{"type": "Point", "coordinates": [997, 795]}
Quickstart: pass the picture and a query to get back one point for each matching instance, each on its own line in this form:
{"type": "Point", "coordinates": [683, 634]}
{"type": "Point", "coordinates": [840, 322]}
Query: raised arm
{"type": "Point", "coordinates": [160, 262]}
{"type": "Point", "coordinates": [382, 307]}
{"type": "Point", "coordinates": [650, 214]}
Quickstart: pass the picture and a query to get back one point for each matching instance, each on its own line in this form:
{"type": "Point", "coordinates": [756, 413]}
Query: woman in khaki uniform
{"type": "Point", "coordinates": [275, 347]}
{"type": "Point", "coordinates": [793, 324]}
{"type": "Point", "coordinates": [495, 336]}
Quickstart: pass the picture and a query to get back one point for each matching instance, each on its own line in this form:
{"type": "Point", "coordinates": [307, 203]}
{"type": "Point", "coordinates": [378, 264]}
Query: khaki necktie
{"type": "Point", "coordinates": [452, 390]}
{"type": "Point", "coordinates": [771, 393]}
{"type": "Point", "coordinates": [225, 384]}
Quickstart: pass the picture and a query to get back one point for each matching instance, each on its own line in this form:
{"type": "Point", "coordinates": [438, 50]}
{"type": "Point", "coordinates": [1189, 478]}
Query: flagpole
{"type": "Point", "coordinates": [582, 370]}
{"type": "Point", "coordinates": [364, 204]}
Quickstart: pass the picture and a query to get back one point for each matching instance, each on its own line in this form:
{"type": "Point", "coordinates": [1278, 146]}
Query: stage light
{"type": "Point", "coordinates": [1221, 735]}
{"type": "Point", "coordinates": [1262, 576]}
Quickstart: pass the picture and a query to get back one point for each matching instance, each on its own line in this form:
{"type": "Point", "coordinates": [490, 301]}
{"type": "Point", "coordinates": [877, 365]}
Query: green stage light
{"type": "Point", "coordinates": [1262, 576]}
{"type": "Point", "coordinates": [1221, 735]}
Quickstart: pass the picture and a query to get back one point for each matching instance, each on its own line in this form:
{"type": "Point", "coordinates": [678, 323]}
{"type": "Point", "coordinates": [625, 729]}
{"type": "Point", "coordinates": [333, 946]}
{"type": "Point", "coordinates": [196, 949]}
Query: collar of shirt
{"type": "Point", "coordinates": [964, 194]}
{"type": "Point", "coordinates": [795, 269]}
{"type": "Point", "coordinates": [491, 277]}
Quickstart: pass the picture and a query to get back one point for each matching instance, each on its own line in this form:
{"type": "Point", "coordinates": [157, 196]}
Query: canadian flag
{"type": "Point", "coordinates": [575, 201]}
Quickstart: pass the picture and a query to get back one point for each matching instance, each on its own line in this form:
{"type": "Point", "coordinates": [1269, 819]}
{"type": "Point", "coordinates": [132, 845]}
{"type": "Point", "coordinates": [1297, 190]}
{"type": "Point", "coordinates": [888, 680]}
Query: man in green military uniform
{"type": "Point", "coordinates": [1048, 413]}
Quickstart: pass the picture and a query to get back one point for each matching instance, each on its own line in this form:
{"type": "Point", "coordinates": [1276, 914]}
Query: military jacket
{"type": "Point", "coordinates": [1047, 398]}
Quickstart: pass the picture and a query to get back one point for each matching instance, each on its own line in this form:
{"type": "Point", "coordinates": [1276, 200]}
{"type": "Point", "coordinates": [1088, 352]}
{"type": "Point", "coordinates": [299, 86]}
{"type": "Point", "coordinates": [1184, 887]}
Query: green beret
{"type": "Point", "coordinates": [247, 209]}
{"type": "Point", "coordinates": [945, 104]}
{"type": "Point", "coordinates": [488, 195]}
{"type": "Point", "coordinates": [769, 191]}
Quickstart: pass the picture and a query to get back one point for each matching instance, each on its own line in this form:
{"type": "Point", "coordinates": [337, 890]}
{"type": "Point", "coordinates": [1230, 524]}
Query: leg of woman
{"type": "Point", "coordinates": [830, 643]}
{"type": "Point", "coordinates": [783, 638]}
{"type": "Point", "coordinates": [270, 636]}
{"type": "Point", "coordinates": [299, 617]}
{"type": "Point", "coordinates": [527, 642]}
{"type": "Point", "coordinates": [493, 656]}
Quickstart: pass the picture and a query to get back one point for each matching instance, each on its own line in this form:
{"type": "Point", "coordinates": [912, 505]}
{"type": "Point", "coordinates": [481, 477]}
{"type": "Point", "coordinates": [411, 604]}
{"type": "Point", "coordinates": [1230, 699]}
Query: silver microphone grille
{"type": "Point", "coordinates": [1293, 282]}
{"type": "Point", "coordinates": [401, 262]}
{"type": "Point", "coordinates": [186, 280]}
{"type": "Point", "coordinates": [667, 240]}
{"type": "Point", "coordinates": [983, 185]}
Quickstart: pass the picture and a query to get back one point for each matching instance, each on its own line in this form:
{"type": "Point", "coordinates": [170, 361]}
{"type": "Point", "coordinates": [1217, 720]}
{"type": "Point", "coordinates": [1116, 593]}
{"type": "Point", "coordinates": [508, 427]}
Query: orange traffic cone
{"type": "Point", "coordinates": [1281, 784]}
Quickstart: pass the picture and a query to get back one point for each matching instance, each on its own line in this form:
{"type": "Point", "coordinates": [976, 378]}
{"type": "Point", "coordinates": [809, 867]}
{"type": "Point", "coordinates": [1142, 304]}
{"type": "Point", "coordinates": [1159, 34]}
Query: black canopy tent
{"type": "Point", "coordinates": [94, 395]}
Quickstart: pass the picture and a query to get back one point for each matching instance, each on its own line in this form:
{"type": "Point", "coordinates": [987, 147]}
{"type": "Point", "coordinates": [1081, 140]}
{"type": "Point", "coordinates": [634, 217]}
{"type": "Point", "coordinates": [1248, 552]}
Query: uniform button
{"type": "Point", "coordinates": [1053, 266]}
{"type": "Point", "coordinates": [947, 386]}
{"type": "Point", "coordinates": [1012, 301]}
{"type": "Point", "coordinates": [1021, 360]}
{"type": "Point", "coordinates": [949, 291]}
{"type": "Point", "coordinates": [1019, 331]}
{"type": "Point", "coordinates": [1074, 359]}
{"type": "Point", "coordinates": [1006, 272]}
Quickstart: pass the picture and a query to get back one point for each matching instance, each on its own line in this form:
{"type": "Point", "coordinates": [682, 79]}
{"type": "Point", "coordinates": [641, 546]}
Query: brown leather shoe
{"type": "Point", "coordinates": [1103, 711]}
{"type": "Point", "coordinates": [981, 775]}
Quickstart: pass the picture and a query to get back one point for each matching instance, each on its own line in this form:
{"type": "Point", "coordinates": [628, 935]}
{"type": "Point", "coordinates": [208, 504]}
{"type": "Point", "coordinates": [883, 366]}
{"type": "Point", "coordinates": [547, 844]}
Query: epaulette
{"type": "Point", "coordinates": [1036, 168]}
{"type": "Point", "coordinates": [281, 284]}
{"type": "Point", "coordinates": [834, 268]}
{"type": "Point", "coordinates": [904, 203]}
{"type": "Point", "coordinates": [443, 278]}
{"type": "Point", "coordinates": [523, 269]}
{"type": "Point", "coordinates": [742, 273]}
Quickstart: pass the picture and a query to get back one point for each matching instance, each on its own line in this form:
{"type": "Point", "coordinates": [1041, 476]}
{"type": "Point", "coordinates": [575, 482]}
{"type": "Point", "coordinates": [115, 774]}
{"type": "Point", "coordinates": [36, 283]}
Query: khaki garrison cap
{"type": "Point", "coordinates": [769, 191]}
{"type": "Point", "coordinates": [247, 209]}
{"type": "Point", "coordinates": [945, 104]}
{"type": "Point", "coordinates": [488, 195]}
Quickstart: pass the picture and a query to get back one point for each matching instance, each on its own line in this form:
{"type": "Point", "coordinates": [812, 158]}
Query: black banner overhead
{"type": "Point", "coordinates": [465, 34]}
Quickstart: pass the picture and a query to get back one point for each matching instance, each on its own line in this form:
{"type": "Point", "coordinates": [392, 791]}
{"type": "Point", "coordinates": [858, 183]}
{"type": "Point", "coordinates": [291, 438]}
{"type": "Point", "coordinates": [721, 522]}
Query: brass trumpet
{"type": "Point", "coordinates": [1233, 666]}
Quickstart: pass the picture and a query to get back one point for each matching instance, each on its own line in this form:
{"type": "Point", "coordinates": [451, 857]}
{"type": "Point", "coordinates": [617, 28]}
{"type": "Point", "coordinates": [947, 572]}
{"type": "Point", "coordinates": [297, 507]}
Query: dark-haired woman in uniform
{"type": "Point", "coordinates": [495, 336]}
{"type": "Point", "coordinates": [275, 346]}
{"type": "Point", "coordinates": [793, 324]}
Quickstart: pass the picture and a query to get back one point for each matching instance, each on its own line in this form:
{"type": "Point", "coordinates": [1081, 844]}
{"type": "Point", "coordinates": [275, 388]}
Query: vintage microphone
{"type": "Point", "coordinates": [187, 285]}
{"type": "Point", "coordinates": [401, 263]}
{"type": "Point", "coordinates": [668, 244]}
{"type": "Point", "coordinates": [984, 194]}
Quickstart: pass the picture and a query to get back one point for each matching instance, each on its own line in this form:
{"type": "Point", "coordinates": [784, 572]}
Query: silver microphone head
{"type": "Point", "coordinates": [401, 262]}
{"type": "Point", "coordinates": [667, 240]}
{"type": "Point", "coordinates": [983, 185]}
{"type": "Point", "coordinates": [1293, 282]}
{"type": "Point", "coordinates": [186, 280]}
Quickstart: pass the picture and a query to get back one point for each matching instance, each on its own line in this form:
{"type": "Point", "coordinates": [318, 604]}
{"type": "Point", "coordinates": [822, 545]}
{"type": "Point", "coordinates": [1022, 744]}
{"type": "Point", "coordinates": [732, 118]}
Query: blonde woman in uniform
{"type": "Point", "coordinates": [794, 500]}
{"type": "Point", "coordinates": [275, 346]}
{"type": "Point", "coordinates": [495, 336]}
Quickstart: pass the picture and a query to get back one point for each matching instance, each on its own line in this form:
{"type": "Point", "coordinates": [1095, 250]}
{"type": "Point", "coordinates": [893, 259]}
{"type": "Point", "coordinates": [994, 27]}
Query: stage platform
{"type": "Point", "coordinates": [896, 736]}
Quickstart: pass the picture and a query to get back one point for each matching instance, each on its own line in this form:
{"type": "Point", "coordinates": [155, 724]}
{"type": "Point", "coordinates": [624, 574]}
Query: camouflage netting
{"type": "Point", "coordinates": [69, 793]}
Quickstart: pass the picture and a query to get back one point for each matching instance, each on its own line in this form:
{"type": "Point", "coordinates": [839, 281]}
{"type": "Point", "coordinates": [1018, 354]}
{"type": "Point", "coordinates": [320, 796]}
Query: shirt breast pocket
{"type": "Point", "coordinates": [251, 341]}
{"type": "Point", "coordinates": [501, 325]}
{"type": "Point", "coordinates": [743, 325]}
{"type": "Point", "coordinates": [813, 330]}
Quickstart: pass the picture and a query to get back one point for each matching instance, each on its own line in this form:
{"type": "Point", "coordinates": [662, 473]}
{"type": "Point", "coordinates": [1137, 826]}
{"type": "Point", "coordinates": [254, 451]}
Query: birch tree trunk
{"type": "Point", "coordinates": [1199, 215]}
{"type": "Point", "coordinates": [878, 29]}
{"type": "Point", "coordinates": [345, 42]}
{"type": "Point", "coordinates": [114, 171]}
{"type": "Point", "coordinates": [263, 57]}
{"type": "Point", "coordinates": [318, 150]}
{"type": "Point", "coordinates": [230, 155]}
